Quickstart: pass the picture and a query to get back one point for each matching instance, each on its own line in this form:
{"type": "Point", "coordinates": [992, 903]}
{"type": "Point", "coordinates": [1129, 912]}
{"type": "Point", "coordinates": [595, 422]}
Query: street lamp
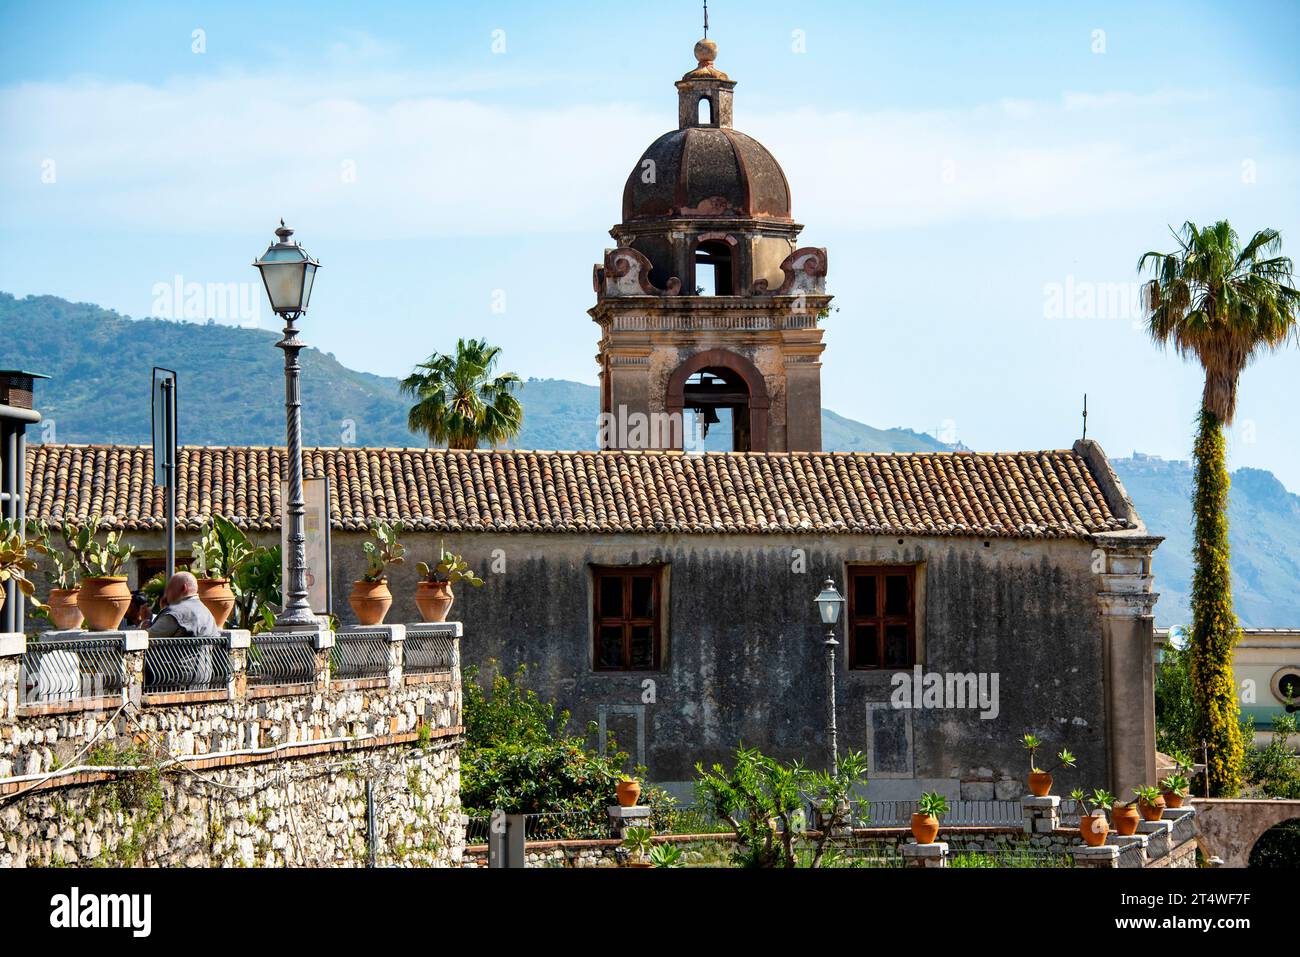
{"type": "Point", "coordinates": [829, 603]}
{"type": "Point", "coordinates": [288, 273]}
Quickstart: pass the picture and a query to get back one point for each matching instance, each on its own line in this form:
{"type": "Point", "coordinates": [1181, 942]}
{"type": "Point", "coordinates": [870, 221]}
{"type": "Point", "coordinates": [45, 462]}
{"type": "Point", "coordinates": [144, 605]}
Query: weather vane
{"type": "Point", "coordinates": [706, 19]}
{"type": "Point", "coordinates": [1085, 415]}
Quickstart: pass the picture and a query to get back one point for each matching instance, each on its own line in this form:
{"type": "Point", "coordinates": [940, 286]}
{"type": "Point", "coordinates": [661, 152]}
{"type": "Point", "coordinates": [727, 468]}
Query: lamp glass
{"type": "Point", "coordinates": [829, 602]}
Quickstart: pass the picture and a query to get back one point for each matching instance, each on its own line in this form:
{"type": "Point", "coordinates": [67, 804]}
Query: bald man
{"type": "Point", "coordinates": [183, 615]}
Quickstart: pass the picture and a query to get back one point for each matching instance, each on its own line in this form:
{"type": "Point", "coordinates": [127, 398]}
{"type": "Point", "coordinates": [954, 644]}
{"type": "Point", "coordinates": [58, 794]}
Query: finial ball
{"type": "Point", "coordinates": [706, 51]}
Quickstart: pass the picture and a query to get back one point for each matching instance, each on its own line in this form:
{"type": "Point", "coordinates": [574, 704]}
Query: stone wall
{"type": "Point", "coordinates": [330, 774]}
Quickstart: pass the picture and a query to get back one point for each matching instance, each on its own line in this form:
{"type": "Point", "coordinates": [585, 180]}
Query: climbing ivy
{"type": "Point", "coordinates": [1214, 626]}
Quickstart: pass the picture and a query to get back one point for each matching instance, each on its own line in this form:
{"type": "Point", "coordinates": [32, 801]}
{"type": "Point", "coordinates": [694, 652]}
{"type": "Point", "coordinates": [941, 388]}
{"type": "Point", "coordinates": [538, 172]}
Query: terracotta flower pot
{"type": "Point", "coordinates": [1152, 812]}
{"type": "Point", "coordinates": [217, 598]}
{"type": "Point", "coordinates": [370, 601]}
{"type": "Point", "coordinates": [628, 792]}
{"type": "Point", "coordinates": [64, 613]}
{"type": "Point", "coordinates": [1040, 783]}
{"type": "Point", "coordinates": [103, 602]}
{"type": "Point", "coordinates": [1172, 798]}
{"type": "Point", "coordinates": [434, 600]}
{"type": "Point", "coordinates": [1093, 828]}
{"type": "Point", "coordinates": [925, 828]}
{"type": "Point", "coordinates": [1125, 820]}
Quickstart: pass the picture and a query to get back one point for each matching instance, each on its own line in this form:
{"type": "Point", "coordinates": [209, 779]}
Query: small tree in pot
{"type": "Point", "coordinates": [1040, 780]}
{"type": "Point", "coordinates": [370, 598]}
{"type": "Point", "coordinates": [433, 595]}
{"type": "Point", "coordinates": [1093, 826]}
{"type": "Point", "coordinates": [925, 822]}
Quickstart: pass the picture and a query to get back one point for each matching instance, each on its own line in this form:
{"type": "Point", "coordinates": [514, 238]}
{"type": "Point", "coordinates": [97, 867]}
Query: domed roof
{"type": "Point", "coordinates": [706, 171]}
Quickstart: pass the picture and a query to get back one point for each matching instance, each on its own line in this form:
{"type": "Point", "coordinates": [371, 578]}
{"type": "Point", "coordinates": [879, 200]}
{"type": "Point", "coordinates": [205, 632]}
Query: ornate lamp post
{"type": "Point", "coordinates": [829, 602]}
{"type": "Point", "coordinates": [288, 273]}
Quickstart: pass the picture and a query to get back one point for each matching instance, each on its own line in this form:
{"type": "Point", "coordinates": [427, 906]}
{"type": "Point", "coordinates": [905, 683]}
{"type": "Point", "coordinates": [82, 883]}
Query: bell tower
{"type": "Point", "coordinates": [709, 309]}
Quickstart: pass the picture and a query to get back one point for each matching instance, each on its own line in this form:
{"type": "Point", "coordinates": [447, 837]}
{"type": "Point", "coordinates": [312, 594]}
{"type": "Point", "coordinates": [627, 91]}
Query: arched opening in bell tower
{"type": "Point", "coordinates": [713, 269]}
{"type": "Point", "coordinates": [716, 401]}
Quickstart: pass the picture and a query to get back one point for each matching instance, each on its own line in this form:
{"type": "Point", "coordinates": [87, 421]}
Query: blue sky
{"type": "Point", "coordinates": [984, 177]}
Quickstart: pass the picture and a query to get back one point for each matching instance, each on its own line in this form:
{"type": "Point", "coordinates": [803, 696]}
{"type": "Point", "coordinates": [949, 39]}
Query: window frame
{"type": "Point", "coordinates": [881, 620]}
{"type": "Point", "coordinates": [628, 621]}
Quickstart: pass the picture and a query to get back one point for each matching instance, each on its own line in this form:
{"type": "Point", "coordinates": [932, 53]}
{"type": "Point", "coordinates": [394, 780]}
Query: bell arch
{"type": "Point", "coordinates": [731, 368]}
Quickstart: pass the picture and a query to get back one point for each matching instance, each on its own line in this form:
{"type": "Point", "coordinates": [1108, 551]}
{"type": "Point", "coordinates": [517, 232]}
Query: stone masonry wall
{"type": "Point", "coordinates": [323, 774]}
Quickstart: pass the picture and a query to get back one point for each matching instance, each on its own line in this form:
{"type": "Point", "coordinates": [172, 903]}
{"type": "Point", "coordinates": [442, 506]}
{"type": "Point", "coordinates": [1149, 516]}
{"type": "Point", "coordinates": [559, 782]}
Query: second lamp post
{"type": "Point", "coordinates": [829, 602]}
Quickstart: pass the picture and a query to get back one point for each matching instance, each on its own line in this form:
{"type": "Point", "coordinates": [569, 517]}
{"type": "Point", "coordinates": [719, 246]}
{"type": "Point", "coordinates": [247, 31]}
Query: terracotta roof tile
{"type": "Point", "coordinates": [1021, 494]}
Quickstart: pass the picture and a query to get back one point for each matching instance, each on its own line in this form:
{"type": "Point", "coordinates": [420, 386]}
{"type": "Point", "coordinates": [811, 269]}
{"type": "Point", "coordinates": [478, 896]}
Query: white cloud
{"type": "Point", "coordinates": [446, 157]}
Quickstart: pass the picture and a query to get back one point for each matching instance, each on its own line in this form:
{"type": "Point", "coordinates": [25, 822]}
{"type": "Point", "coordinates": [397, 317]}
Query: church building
{"type": "Point", "coordinates": [666, 594]}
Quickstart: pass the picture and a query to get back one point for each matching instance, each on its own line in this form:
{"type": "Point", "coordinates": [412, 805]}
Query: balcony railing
{"type": "Point", "coordinates": [281, 659]}
{"type": "Point", "coordinates": [187, 664]}
{"type": "Point", "coordinates": [62, 667]}
{"type": "Point", "coordinates": [429, 649]}
{"type": "Point", "coordinates": [359, 654]}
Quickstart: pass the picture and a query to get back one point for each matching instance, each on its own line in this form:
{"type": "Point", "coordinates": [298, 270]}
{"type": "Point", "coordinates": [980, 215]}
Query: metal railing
{"type": "Point", "coordinates": [428, 651]}
{"type": "Point", "coordinates": [960, 813]}
{"type": "Point", "coordinates": [65, 669]}
{"type": "Point", "coordinates": [359, 654]}
{"type": "Point", "coordinates": [186, 664]}
{"type": "Point", "coordinates": [281, 659]}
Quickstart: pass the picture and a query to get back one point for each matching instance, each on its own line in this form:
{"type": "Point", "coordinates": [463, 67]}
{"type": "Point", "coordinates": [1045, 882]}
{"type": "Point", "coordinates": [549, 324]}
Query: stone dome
{"type": "Point", "coordinates": [706, 172]}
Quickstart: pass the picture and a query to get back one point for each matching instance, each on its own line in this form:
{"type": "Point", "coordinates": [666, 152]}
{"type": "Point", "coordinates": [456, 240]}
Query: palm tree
{"type": "Point", "coordinates": [1223, 304]}
{"type": "Point", "coordinates": [459, 402]}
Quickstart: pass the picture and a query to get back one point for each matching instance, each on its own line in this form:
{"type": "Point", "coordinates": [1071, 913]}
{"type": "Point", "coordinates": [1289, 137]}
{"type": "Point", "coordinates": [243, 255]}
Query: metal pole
{"type": "Point", "coordinates": [831, 733]}
{"type": "Point", "coordinates": [297, 611]}
{"type": "Point", "coordinates": [169, 469]}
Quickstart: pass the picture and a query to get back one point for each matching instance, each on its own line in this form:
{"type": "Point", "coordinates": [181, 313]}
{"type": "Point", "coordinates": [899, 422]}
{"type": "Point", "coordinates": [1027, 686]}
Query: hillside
{"type": "Point", "coordinates": [90, 353]}
{"type": "Point", "coordinates": [99, 365]}
{"type": "Point", "coordinates": [1264, 534]}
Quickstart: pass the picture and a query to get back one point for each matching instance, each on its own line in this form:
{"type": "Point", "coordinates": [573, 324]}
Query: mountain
{"type": "Point", "coordinates": [99, 364]}
{"type": "Point", "coordinates": [92, 353]}
{"type": "Point", "coordinates": [1263, 533]}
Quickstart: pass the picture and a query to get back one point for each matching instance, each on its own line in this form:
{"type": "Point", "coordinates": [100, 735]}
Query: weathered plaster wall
{"type": "Point", "coordinates": [744, 659]}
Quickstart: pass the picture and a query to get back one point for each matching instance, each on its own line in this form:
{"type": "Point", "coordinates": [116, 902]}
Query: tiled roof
{"type": "Point", "coordinates": [1021, 495]}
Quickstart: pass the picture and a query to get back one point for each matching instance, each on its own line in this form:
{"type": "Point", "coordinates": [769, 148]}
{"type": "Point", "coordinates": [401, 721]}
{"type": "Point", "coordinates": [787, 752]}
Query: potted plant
{"type": "Point", "coordinates": [434, 595]}
{"type": "Point", "coordinates": [16, 562]}
{"type": "Point", "coordinates": [1093, 826]}
{"type": "Point", "coordinates": [1040, 781]}
{"type": "Point", "coordinates": [925, 822]}
{"type": "Point", "coordinates": [628, 790]}
{"type": "Point", "coordinates": [1124, 815]}
{"type": "Point", "coordinates": [215, 559]}
{"type": "Point", "coordinates": [104, 596]}
{"type": "Point", "coordinates": [370, 598]}
{"type": "Point", "coordinates": [1151, 805]}
{"type": "Point", "coordinates": [637, 841]}
{"type": "Point", "coordinates": [666, 855]}
{"type": "Point", "coordinates": [61, 608]}
{"type": "Point", "coordinates": [1173, 788]}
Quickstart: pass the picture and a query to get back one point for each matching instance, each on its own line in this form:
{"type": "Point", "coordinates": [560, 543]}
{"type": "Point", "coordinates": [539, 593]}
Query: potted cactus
{"type": "Point", "coordinates": [104, 596]}
{"type": "Point", "coordinates": [370, 598]}
{"type": "Point", "coordinates": [1093, 826]}
{"type": "Point", "coordinates": [433, 595]}
{"type": "Point", "coordinates": [61, 571]}
{"type": "Point", "coordinates": [925, 822]}
{"type": "Point", "coordinates": [16, 561]}
{"type": "Point", "coordinates": [1150, 803]}
{"type": "Point", "coordinates": [1040, 781]}
{"type": "Point", "coordinates": [215, 559]}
